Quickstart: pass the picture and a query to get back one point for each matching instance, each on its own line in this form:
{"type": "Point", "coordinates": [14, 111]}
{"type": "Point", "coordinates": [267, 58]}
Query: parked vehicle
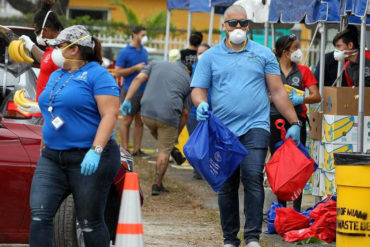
{"type": "Point", "coordinates": [20, 137]}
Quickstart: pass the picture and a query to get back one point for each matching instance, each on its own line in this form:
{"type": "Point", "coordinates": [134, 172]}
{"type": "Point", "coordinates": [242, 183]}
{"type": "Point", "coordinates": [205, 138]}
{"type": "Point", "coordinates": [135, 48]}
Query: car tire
{"type": "Point", "coordinates": [67, 232]}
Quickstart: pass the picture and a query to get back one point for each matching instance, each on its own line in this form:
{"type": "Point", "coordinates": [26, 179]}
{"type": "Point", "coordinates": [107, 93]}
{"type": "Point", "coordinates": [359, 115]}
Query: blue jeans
{"type": "Point", "coordinates": [58, 173]}
{"type": "Point", "coordinates": [256, 142]}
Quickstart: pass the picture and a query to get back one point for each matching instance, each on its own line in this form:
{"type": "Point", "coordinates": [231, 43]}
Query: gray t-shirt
{"type": "Point", "coordinates": [167, 92]}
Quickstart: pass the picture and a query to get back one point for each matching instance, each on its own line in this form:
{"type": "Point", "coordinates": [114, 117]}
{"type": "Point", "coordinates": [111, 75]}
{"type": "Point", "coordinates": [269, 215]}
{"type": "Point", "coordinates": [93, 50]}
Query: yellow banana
{"type": "Point", "coordinates": [14, 53]}
{"type": "Point", "coordinates": [25, 100]}
{"type": "Point", "coordinates": [338, 128]}
{"type": "Point", "coordinates": [289, 89]}
{"type": "Point", "coordinates": [329, 156]}
{"type": "Point", "coordinates": [22, 53]}
{"type": "Point", "coordinates": [16, 98]}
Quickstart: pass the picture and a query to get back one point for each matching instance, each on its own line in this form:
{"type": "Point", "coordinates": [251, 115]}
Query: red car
{"type": "Point", "coordinates": [20, 137]}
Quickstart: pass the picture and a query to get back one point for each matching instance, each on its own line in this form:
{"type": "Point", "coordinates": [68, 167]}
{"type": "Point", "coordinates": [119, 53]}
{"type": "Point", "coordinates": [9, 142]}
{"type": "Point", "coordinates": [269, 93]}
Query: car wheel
{"type": "Point", "coordinates": [67, 231]}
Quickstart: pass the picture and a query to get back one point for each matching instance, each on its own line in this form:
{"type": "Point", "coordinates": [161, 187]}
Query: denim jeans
{"type": "Point", "coordinates": [251, 174]}
{"type": "Point", "coordinates": [58, 173]}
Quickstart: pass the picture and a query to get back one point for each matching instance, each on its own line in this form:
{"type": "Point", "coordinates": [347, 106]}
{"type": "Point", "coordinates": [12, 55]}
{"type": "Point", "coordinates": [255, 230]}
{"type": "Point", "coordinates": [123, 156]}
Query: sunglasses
{"type": "Point", "coordinates": [234, 23]}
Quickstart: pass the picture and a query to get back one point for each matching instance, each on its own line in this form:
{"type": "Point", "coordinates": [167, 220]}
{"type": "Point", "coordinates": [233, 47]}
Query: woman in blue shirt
{"type": "Point", "coordinates": [80, 104]}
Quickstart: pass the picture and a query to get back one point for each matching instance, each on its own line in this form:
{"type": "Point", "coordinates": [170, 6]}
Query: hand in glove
{"type": "Point", "coordinates": [294, 132]}
{"type": "Point", "coordinates": [90, 163]}
{"type": "Point", "coordinates": [30, 108]}
{"type": "Point", "coordinates": [202, 110]}
{"type": "Point", "coordinates": [28, 43]}
{"type": "Point", "coordinates": [126, 107]}
{"type": "Point", "coordinates": [295, 98]}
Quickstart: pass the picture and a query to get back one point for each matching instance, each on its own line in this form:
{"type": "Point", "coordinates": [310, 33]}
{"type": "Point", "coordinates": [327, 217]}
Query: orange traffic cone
{"type": "Point", "coordinates": [130, 227]}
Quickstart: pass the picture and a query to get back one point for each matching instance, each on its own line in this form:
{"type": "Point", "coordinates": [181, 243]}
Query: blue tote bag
{"type": "Point", "coordinates": [214, 151]}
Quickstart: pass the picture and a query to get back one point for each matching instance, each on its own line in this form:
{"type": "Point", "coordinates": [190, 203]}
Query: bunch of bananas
{"type": "Point", "coordinates": [17, 52]}
{"type": "Point", "coordinates": [20, 100]}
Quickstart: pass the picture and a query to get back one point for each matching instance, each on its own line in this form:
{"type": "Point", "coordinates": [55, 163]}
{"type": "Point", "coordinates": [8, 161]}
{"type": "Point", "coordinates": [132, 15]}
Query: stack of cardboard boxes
{"type": "Point", "coordinates": [335, 130]}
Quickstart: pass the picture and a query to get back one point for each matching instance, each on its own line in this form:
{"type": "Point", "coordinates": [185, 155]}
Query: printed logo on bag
{"type": "Point", "coordinates": [218, 157]}
{"type": "Point", "coordinates": [295, 81]}
{"type": "Point", "coordinates": [83, 76]}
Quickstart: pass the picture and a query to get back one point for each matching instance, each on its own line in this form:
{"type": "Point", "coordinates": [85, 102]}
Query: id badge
{"type": "Point", "coordinates": [57, 122]}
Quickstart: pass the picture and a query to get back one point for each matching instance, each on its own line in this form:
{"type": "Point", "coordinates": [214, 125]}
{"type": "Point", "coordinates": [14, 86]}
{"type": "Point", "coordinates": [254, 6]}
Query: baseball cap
{"type": "Point", "coordinates": [71, 34]}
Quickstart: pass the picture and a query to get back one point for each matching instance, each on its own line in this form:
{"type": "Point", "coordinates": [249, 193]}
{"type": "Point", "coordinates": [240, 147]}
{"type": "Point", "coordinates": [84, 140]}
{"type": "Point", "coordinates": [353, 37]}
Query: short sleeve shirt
{"type": "Point", "coordinates": [128, 57]}
{"type": "Point", "coordinates": [188, 56]}
{"type": "Point", "coordinates": [167, 92]}
{"type": "Point", "coordinates": [300, 77]}
{"type": "Point", "coordinates": [47, 66]}
{"type": "Point", "coordinates": [352, 71]}
{"type": "Point", "coordinates": [75, 104]}
{"type": "Point", "coordinates": [237, 85]}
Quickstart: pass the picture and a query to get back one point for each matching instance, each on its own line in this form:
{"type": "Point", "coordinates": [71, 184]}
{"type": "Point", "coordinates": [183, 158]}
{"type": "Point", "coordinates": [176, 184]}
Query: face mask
{"type": "Point", "coordinates": [40, 40]}
{"type": "Point", "coordinates": [296, 56]}
{"type": "Point", "coordinates": [144, 40]}
{"type": "Point", "coordinates": [57, 54]}
{"type": "Point", "coordinates": [339, 55]}
{"type": "Point", "coordinates": [237, 36]}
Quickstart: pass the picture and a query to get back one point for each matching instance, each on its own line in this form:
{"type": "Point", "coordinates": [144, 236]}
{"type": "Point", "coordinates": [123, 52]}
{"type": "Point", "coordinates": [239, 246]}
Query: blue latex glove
{"type": "Point", "coordinates": [126, 107]}
{"type": "Point", "coordinates": [294, 132]}
{"type": "Point", "coordinates": [295, 98]}
{"type": "Point", "coordinates": [90, 163]}
{"type": "Point", "coordinates": [202, 110]}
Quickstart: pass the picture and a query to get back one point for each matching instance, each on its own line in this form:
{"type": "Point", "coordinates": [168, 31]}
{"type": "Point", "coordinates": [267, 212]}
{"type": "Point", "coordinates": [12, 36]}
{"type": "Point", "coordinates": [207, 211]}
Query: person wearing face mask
{"type": "Point", "coordinates": [347, 50]}
{"type": "Point", "coordinates": [47, 26]}
{"type": "Point", "coordinates": [299, 77]}
{"type": "Point", "coordinates": [130, 61]}
{"type": "Point", "coordinates": [80, 105]}
{"type": "Point", "coordinates": [239, 73]}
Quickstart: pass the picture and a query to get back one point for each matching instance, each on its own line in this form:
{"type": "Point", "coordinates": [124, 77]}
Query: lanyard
{"type": "Point", "coordinates": [51, 98]}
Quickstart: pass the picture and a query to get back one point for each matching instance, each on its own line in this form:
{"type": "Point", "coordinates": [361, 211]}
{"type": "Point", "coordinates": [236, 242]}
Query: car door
{"type": "Point", "coordinates": [14, 181]}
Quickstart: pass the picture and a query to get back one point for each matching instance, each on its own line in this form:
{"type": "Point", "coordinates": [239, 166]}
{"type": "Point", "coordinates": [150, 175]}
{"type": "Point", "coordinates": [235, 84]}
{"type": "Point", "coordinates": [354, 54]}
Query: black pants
{"type": "Point", "coordinates": [276, 137]}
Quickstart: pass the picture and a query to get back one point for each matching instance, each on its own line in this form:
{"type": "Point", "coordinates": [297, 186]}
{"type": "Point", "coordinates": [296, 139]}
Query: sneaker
{"type": "Point", "coordinates": [156, 190]}
{"type": "Point", "coordinates": [253, 244]}
{"type": "Point", "coordinates": [229, 245]}
{"type": "Point", "coordinates": [141, 154]}
{"type": "Point", "coordinates": [163, 189]}
{"type": "Point", "coordinates": [177, 156]}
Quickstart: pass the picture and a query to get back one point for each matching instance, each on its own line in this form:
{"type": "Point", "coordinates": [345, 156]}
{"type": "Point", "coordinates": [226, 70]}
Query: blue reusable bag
{"type": "Point", "coordinates": [214, 151]}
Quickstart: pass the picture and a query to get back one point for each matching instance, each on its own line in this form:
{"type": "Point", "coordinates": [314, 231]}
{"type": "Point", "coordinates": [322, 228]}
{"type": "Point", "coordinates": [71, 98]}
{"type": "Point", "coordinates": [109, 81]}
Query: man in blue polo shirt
{"type": "Point", "coordinates": [130, 61]}
{"type": "Point", "coordinates": [239, 75]}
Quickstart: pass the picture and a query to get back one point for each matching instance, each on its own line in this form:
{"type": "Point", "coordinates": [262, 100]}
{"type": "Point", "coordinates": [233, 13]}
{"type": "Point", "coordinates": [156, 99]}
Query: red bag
{"type": "Point", "coordinates": [288, 169]}
{"type": "Point", "coordinates": [298, 235]}
{"type": "Point", "coordinates": [288, 219]}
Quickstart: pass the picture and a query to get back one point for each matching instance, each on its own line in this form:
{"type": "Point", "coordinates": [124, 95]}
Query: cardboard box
{"type": "Point", "coordinates": [327, 150]}
{"type": "Point", "coordinates": [324, 183]}
{"type": "Point", "coordinates": [339, 129]}
{"type": "Point", "coordinates": [314, 150]}
{"type": "Point", "coordinates": [329, 181]}
{"type": "Point", "coordinates": [344, 101]}
{"type": "Point", "coordinates": [316, 183]}
{"type": "Point", "coordinates": [316, 125]}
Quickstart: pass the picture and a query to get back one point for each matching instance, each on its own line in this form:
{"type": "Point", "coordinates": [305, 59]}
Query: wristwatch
{"type": "Point", "coordinates": [97, 149]}
{"type": "Point", "coordinates": [299, 123]}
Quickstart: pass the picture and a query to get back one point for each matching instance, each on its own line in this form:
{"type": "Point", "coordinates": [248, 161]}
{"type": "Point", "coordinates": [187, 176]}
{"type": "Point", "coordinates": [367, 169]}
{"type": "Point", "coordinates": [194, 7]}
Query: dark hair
{"type": "Point", "coordinates": [350, 34]}
{"type": "Point", "coordinates": [52, 21]}
{"type": "Point", "coordinates": [195, 38]}
{"type": "Point", "coordinates": [89, 54]}
{"type": "Point", "coordinates": [205, 45]}
{"type": "Point", "coordinates": [138, 29]}
{"type": "Point", "coordinates": [283, 44]}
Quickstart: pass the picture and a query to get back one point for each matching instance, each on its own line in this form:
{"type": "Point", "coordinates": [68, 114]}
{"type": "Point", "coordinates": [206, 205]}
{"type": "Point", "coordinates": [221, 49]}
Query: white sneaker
{"type": "Point", "coordinates": [229, 245]}
{"type": "Point", "coordinates": [253, 244]}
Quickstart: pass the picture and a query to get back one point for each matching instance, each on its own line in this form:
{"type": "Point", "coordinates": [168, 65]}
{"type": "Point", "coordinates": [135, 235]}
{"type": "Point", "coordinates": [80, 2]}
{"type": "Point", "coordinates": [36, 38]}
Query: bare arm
{"type": "Point", "coordinates": [280, 97]}
{"type": "Point", "coordinates": [314, 96]}
{"type": "Point", "coordinates": [198, 95]}
{"type": "Point", "coordinates": [135, 84]}
{"type": "Point", "coordinates": [37, 53]}
{"type": "Point", "coordinates": [184, 117]}
{"type": "Point", "coordinates": [108, 106]}
{"type": "Point", "coordinates": [128, 71]}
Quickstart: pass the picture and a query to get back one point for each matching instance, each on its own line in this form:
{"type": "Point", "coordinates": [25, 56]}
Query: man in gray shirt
{"type": "Point", "coordinates": [165, 108]}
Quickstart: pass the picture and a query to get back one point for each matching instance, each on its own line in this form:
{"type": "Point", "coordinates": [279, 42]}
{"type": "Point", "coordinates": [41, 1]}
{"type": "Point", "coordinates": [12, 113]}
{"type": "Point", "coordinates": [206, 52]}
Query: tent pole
{"type": "Point", "coordinates": [189, 28]}
{"type": "Point", "coordinates": [272, 36]}
{"type": "Point", "coordinates": [343, 25]}
{"type": "Point", "coordinates": [167, 35]}
{"type": "Point", "coordinates": [361, 89]}
{"type": "Point", "coordinates": [322, 31]}
{"type": "Point", "coordinates": [210, 30]}
{"type": "Point", "coordinates": [266, 34]}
